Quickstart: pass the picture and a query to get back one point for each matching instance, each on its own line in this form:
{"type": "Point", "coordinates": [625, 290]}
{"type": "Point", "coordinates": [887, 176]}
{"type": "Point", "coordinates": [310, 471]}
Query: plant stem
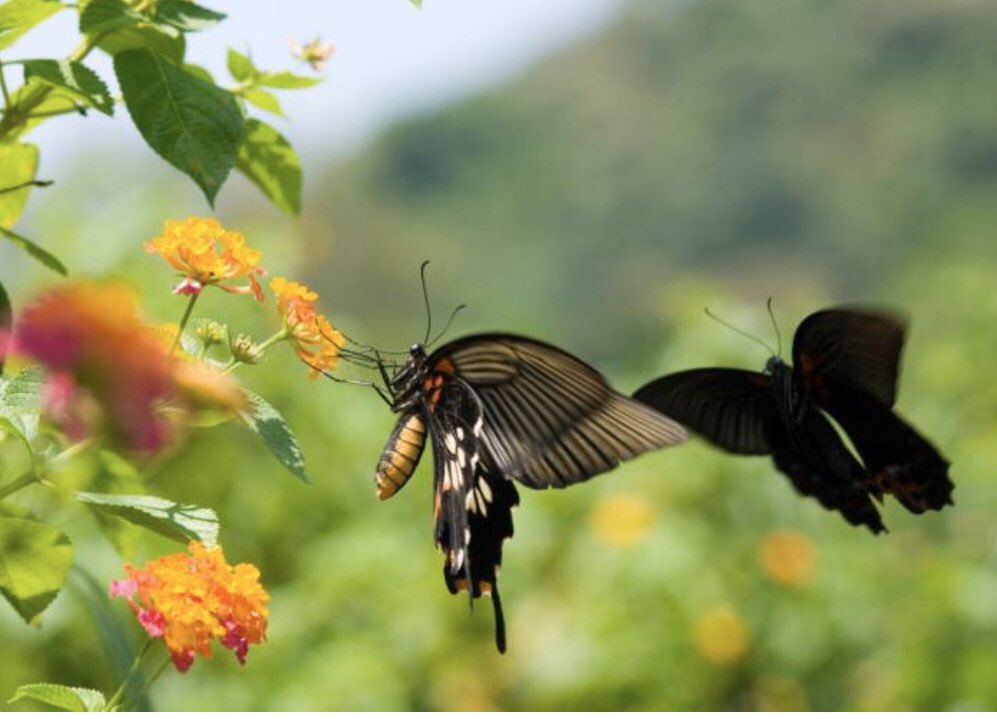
{"type": "Point", "coordinates": [183, 322]}
{"type": "Point", "coordinates": [115, 699]}
{"type": "Point", "coordinates": [3, 86]}
{"type": "Point", "coordinates": [25, 480]}
{"type": "Point", "coordinates": [26, 183]}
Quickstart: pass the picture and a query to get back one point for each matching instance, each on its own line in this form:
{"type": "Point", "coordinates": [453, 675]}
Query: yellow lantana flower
{"type": "Point", "coordinates": [316, 342]}
{"type": "Point", "coordinates": [190, 599]}
{"type": "Point", "coordinates": [208, 254]}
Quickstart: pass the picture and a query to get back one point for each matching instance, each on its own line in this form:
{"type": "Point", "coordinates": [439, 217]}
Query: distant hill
{"type": "Point", "coordinates": [770, 144]}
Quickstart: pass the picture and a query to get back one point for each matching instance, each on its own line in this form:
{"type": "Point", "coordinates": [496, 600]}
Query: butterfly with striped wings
{"type": "Point", "coordinates": [846, 363]}
{"type": "Point", "coordinates": [498, 407]}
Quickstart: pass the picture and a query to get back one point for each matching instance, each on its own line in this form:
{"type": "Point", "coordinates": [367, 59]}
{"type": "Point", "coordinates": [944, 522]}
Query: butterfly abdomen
{"type": "Point", "coordinates": [401, 455]}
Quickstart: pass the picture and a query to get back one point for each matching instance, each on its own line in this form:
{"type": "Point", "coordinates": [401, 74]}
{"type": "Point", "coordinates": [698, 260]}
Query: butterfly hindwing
{"type": "Point", "coordinates": [550, 420]}
{"type": "Point", "coordinates": [820, 466]}
{"type": "Point", "coordinates": [898, 459]}
{"type": "Point", "coordinates": [472, 501]}
{"type": "Point", "coordinates": [732, 408]}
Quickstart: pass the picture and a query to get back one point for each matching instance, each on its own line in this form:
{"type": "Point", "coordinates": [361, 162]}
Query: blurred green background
{"type": "Point", "coordinates": [709, 152]}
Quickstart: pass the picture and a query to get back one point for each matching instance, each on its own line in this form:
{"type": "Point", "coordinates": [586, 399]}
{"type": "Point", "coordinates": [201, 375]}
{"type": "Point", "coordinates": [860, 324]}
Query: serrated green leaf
{"type": "Point", "coordinates": [34, 561]}
{"type": "Point", "coordinates": [19, 16]}
{"type": "Point", "coordinates": [116, 477]}
{"type": "Point", "coordinates": [270, 162]}
{"type": "Point", "coordinates": [180, 522]}
{"type": "Point", "coordinates": [270, 426]}
{"type": "Point", "coordinates": [198, 71]}
{"type": "Point", "coordinates": [18, 164]}
{"type": "Point", "coordinates": [101, 16]}
{"type": "Point", "coordinates": [263, 100]}
{"type": "Point", "coordinates": [20, 403]}
{"type": "Point", "coordinates": [43, 256]}
{"type": "Point", "coordinates": [74, 77]}
{"type": "Point", "coordinates": [194, 125]}
{"type": "Point", "coordinates": [6, 322]}
{"type": "Point", "coordinates": [240, 67]}
{"type": "Point", "coordinates": [24, 391]}
{"type": "Point", "coordinates": [286, 80]}
{"type": "Point", "coordinates": [166, 41]}
{"type": "Point", "coordinates": [186, 16]}
{"type": "Point", "coordinates": [74, 699]}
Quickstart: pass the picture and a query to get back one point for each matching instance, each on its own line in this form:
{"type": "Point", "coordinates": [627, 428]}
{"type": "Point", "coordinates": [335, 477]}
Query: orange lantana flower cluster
{"type": "Point", "coordinates": [316, 342]}
{"type": "Point", "coordinates": [208, 254]}
{"type": "Point", "coordinates": [191, 599]}
{"type": "Point", "coordinates": [106, 366]}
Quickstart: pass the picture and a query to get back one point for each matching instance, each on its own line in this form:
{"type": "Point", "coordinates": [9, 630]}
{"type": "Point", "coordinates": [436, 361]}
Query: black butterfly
{"type": "Point", "coordinates": [498, 407]}
{"type": "Point", "coordinates": [846, 365]}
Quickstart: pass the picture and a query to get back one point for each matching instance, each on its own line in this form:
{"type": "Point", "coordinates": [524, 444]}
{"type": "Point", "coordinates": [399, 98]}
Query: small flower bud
{"type": "Point", "coordinates": [243, 350]}
{"type": "Point", "coordinates": [211, 332]}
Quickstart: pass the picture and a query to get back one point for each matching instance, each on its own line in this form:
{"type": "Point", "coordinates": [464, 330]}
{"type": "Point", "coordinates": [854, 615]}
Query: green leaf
{"type": "Point", "coordinates": [75, 77]}
{"type": "Point", "coordinates": [268, 159]}
{"type": "Point", "coordinates": [101, 16]}
{"type": "Point", "coordinates": [18, 164]}
{"type": "Point", "coordinates": [198, 71]}
{"type": "Point", "coordinates": [34, 561]}
{"type": "Point", "coordinates": [240, 67]}
{"type": "Point", "coordinates": [186, 16]}
{"type": "Point", "coordinates": [267, 422]}
{"type": "Point", "coordinates": [286, 80]}
{"type": "Point", "coordinates": [74, 699]}
{"type": "Point", "coordinates": [20, 403]}
{"type": "Point", "coordinates": [117, 476]}
{"type": "Point", "coordinates": [180, 522]}
{"type": "Point", "coordinates": [43, 256]}
{"type": "Point", "coordinates": [166, 41]}
{"type": "Point", "coordinates": [6, 322]}
{"type": "Point", "coordinates": [19, 16]}
{"type": "Point", "coordinates": [194, 125]}
{"type": "Point", "coordinates": [417, 3]}
{"type": "Point", "coordinates": [263, 100]}
{"type": "Point", "coordinates": [24, 391]}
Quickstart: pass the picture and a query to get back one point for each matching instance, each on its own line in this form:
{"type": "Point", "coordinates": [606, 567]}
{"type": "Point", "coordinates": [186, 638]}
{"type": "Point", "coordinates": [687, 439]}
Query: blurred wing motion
{"type": "Point", "coordinates": [848, 360]}
{"type": "Point", "coordinates": [846, 364]}
{"type": "Point", "coordinates": [498, 408]}
{"type": "Point", "coordinates": [732, 408]}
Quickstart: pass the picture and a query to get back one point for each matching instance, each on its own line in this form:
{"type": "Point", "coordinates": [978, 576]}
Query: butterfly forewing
{"type": "Point", "coordinates": [860, 347]}
{"type": "Point", "coordinates": [549, 418]}
{"type": "Point", "coordinates": [732, 408]}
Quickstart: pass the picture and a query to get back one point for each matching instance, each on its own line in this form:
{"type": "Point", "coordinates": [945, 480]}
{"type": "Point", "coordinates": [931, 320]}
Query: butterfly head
{"type": "Point", "coordinates": [775, 365]}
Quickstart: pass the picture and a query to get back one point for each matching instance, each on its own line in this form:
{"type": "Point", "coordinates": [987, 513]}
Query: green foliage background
{"type": "Point", "coordinates": [702, 153]}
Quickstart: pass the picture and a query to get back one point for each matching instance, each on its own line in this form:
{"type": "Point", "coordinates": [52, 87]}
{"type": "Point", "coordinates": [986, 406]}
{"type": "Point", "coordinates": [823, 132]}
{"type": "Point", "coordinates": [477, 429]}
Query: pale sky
{"type": "Point", "coordinates": [391, 59]}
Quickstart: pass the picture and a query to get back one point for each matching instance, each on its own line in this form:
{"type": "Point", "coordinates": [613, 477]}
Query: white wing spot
{"type": "Point", "coordinates": [450, 442]}
{"type": "Point", "coordinates": [469, 502]}
{"type": "Point", "coordinates": [486, 491]}
{"type": "Point", "coordinates": [460, 433]}
{"type": "Point", "coordinates": [461, 457]}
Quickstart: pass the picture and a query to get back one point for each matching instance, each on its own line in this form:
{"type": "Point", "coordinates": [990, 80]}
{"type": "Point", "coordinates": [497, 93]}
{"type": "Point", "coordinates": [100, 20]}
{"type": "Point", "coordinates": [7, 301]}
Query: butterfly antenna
{"type": "Point", "coordinates": [741, 332]}
{"type": "Point", "coordinates": [450, 320]}
{"type": "Point", "coordinates": [778, 336]}
{"type": "Point", "coordinates": [425, 299]}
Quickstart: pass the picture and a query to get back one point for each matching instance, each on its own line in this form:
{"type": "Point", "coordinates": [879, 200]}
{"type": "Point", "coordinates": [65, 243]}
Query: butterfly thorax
{"type": "Point", "coordinates": [407, 383]}
{"type": "Point", "coordinates": [791, 399]}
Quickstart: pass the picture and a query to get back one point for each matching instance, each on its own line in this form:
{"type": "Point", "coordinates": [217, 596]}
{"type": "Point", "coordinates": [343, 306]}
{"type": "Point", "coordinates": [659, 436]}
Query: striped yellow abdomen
{"type": "Point", "coordinates": [401, 455]}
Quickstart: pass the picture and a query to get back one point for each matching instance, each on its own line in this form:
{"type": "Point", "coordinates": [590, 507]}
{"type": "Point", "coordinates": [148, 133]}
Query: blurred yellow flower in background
{"type": "Point", "coordinates": [316, 342]}
{"type": "Point", "coordinates": [720, 635]}
{"type": "Point", "coordinates": [208, 254]}
{"type": "Point", "coordinates": [788, 557]}
{"type": "Point", "coordinates": [621, 520]}
{"type": "Point", "coordinates": [190, 599]}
